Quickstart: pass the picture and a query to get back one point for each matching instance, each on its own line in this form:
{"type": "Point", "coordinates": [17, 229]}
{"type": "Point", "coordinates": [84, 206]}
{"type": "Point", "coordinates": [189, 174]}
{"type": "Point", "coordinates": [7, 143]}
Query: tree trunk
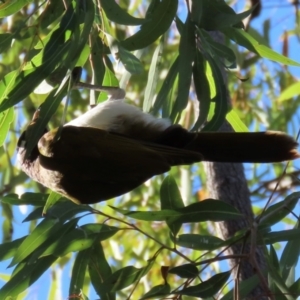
{"type": "Point", "coordinates": [227, 182]}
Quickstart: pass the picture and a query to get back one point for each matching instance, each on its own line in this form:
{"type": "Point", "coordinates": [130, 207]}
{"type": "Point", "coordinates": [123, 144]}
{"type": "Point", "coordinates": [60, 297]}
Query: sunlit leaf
{"type": "Point", "coordinates": [6, 118]}
{"type": "Point", "coordinates": [244, 39]}
{"type": "Point", "coordinates": [290, 92]}
{"type": "Point", "coordinates": [10, 7]}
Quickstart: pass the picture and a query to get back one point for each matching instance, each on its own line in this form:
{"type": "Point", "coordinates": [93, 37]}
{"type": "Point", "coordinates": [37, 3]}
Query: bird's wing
{"type": "Point", "coordinates": [91, 150]}
{"type": "Point", "coordinates": [91, 165]}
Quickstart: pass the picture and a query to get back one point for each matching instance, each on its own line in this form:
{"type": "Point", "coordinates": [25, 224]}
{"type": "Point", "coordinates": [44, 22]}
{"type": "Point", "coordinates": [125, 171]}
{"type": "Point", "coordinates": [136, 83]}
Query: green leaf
{"type": "Point", "coordinates": [123, 278]}
{"type": "Point", "coordinates": [199, 242]}
{"type": "Point", "coordinates": [216, 50]}
{"type": "Point", "coordinates": [65, 210]}
{"type": "Point", "coordinates": [157, 291]}
{"type": "Point", "coordinates": [5, 41]}
{"type": "Point", "coordinates": [10, 7]}
{"type": "Point", "coordinates": [49, 246]}
{"type": "Point", "coordinates": [54, 51]}
{"type": "Point", "coordinates": [118, 15]}
{"type": "Point", "coordinates": [37, 237]}
{"type": "Point", "coordinates": [52, 199]}
{"type": "Point", "coordinates": [281, 236]}
{"type": "Point", "coordinates": [295, 288]}
{"type": "Point", "coordinates": [36, 199]}
{"type": "Point", "coordinates": [237, 124]}
{"type": "Point", "coordinates": [153, 76]}
{"type": "Point", "coordinates": [6, 118]}
{"type": "Point", "coordinates": [290, 256]}
{"type": "Point", "coordinates": [53, 10]}
{"type": "Point", "coordinates": [244, 39]}
{"type": "Point", "coordinates": [213, 210]}
{"type": "Point", "coordinates": [170, 198]}
{"type": "Point", "coordinates": [34, 215]}
{"type": "Point", "coordinates": [78, 272]}
{"type": "Point", "coordinates": [216, 15]}
{"type": "Point", "coordinates": [290, 92]}
{"type": "Point", "coordinates": [8, 250]}
{"type": "Point", "coordinates": [220, 99]}
{"type": "Point", "coordinates": [79, 239]}
{"type": "Point", "coordinates": [207, 288]}
{"type": "Point", "coordinates": [99, 271]}
{"type": "Point", "coordinates": [166, 86]}
{"type": "Point", "coordinates": [25, 277]}
{"type": "Point", "coordinates": [202, 89]}
{"type": "Point", "coordinates": [245, 287]}
{"type": "Point", "coordinates": [278, 211]}
{"type": "Point", "coordinates": [131, 63]}
{"type": "Point", "coordinates": [185, 271]}
{"type": "Point", "coordinates": [187, 52]}
{"type": "Point", "coordinates": [274, 274]}
{"type": "Point", "coordinates": [159, 23]}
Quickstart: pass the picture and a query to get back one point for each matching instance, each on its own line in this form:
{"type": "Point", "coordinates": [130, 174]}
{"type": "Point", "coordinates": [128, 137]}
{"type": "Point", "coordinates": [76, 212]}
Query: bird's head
{"type": "Point", "coordinates": [24, 142]}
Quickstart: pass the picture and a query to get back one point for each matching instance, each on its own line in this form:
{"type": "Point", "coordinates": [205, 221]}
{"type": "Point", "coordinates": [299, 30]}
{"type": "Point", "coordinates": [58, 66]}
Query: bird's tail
{"type": "Point", "coordinates": [270, 146]}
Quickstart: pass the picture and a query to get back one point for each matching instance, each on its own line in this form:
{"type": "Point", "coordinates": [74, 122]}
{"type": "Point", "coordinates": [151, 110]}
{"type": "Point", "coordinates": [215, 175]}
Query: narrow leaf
{"type": "Point", "coordinates": [207, 288]}
{"type": "Point", "coordinates": [160, 22]}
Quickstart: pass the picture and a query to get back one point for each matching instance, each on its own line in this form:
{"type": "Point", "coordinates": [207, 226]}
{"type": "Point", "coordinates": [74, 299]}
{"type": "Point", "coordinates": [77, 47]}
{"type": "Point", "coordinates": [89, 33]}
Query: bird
{"type": "Point", "coordinates": [115, 147]}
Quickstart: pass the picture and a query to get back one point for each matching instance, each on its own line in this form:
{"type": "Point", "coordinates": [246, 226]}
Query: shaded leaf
{"type": "Point", "coordinates": [157, 291]}
{"type": "Point", "coordinates": [25, 277]}
{"type": "Point", "coordinates": [131, 63]}
{"type": "Point", "coordinates": [99, 271]}
{"type": "Point", "coordinates": [199, 242]}
{"type": "Point", "coordinates": [8, 249]}
{"type": "Point", "coordinates": [170, 198]}
{"type": "Point", "coordinates": [118, 15]}
{"type": "Point", "coordinates": [245, 287]}
{"type": "Point", "coordinates": [278, 211]}
{"type": "Point", "coordinates": [213, 210]}
{"type": "Point", "coordinates": [161, 19]}
{"type": "Point", "coordinates": [38, 236]}
{"type": "Point", "coordinates": [185, 271]}
{"type": "Point", "coordinates": [78, 272]}
{"type": "Point", "coordinates": [34, 215]}
{"type": "Point", "coordinates": [207, 288]}
{"type": "Point", "coordinates": [290, 256]}
{"type": "Point", "coordinates": [36, 199]}
{"type": "Point", "coordinates": [281, 236]}
{"type": "Point", "coordinates": [187, 51]}
{"type": "Point", "coordinates": [202, 89]}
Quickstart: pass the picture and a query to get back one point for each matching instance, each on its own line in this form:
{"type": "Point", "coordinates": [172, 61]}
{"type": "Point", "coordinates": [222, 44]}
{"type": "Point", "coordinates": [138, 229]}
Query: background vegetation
{"type": "Point", "coordinates": [155, 50]}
